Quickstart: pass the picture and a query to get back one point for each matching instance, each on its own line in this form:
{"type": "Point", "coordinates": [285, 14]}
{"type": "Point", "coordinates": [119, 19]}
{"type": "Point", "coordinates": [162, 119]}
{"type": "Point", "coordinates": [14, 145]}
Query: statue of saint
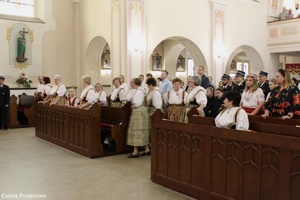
{"type": "Point", "coordinates": [21, 47]}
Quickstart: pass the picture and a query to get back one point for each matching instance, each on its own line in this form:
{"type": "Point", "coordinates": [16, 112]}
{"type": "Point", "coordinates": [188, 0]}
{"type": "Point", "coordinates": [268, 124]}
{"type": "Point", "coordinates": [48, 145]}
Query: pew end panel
{"type": "Point", "coordinates": [13, 102]}
{"type": "Point", "coordinates": [75, 129]}
{"type": "Point", "coordinates": [207, 162]}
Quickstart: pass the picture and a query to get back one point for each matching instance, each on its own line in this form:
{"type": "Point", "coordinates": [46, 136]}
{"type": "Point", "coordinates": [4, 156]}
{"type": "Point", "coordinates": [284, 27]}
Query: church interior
{"type": "Point", "coordinates": [60, 144]}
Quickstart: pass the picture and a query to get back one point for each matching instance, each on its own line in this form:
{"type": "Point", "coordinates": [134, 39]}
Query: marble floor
{"type": "Point", "coordinates": [30, 166]}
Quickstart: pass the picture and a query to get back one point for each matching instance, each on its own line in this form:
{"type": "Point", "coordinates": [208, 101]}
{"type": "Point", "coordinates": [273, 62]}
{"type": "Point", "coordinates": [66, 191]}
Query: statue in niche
{"type": "Point", "coordinates": [21, 46]}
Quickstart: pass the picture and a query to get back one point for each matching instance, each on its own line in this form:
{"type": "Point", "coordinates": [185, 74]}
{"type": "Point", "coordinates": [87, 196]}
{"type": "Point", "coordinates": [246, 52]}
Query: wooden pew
{"type": "Point", "coordinates": [75, 129]}
{"type": "Point", "coordinates": [116, 119]}
{"type": "Point", "coordinates": [274, 120]}
{"type": "Point", "coordinates": [207, 162]}
{"type": "Point", "coordinates": [24, 107]}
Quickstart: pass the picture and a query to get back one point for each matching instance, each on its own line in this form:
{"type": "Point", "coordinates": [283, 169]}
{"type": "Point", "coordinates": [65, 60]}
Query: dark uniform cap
{"type": "Point", "coordinates": [2, 78]}
{"type": "Point", "coordinates": [226, 76]}
{"type": "Point", "coordinates": [240, 73]}
{"type": "Point", "coordinates": [262, 73]}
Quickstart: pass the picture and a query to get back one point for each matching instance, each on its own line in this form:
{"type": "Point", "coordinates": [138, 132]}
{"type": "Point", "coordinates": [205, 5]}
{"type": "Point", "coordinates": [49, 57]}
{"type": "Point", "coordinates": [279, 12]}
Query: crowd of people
{"type": "Point", "coordinates": [230, 103]}
{"type": "Point", "coordinates": [289, 13]}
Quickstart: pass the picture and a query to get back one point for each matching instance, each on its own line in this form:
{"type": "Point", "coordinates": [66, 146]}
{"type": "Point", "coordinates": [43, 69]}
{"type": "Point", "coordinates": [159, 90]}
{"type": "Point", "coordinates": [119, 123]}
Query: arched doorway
{"type": "Point", "coordinates": [98, 61]}
{"type": "Point", "coordinates": [178, 55]}
{"type": "Point", "coordinates": [244, 58]}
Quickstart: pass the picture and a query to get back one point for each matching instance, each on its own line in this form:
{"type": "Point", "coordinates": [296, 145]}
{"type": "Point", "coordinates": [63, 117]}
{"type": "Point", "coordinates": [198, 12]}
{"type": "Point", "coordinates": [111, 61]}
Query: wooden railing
{"type": "Point", "coordinates": [207, 162]}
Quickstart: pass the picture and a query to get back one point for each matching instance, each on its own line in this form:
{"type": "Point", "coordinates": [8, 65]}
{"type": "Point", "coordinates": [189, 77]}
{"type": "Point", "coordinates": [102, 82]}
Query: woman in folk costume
{"type": "Point", "coordinates": [232, 116]}
{"type": "Point", "coordinates": [154, 97]}
{"type": "Point", "coordinates": [175, 102]}
{"type": "Point", "coordinates": [88, 95]}
{"type": "Point", "coordinates": [57, 93]}
{"type": "Point", "coordinates": [138, 129]}
{"type": "Point", "coordinates": [253, 97]}
{"type": "Point", "coordinates": [47, 87]}
{"type": "Point", "coordinates": [123, 84]}
{"type": "Point", "coordinates": [72, 99]}
{"type": "Point", "coordinates": [119, 93]}
{"type": "Point", "coordinates": [131, 91]}
{"type": "Point", "coordinates": [284, 100]}
{"type": "Point", "coordinates": [101, 94]}
{"type": "Point", "coordinates": [195, 98]}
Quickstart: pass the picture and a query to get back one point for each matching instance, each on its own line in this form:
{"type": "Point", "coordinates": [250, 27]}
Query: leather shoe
{"type": "Point", "coordinates": [133, 156]}
{"type": "Point", "coordinates": [146, 153]}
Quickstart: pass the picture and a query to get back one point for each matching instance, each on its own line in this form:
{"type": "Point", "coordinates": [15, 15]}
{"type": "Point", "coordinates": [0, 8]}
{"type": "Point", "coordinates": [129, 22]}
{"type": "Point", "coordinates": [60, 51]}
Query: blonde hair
{"type": "Point", "coordinates": [99, 85]}
{"type": "Point", "coordinates": [273, 80]}
{"type": "Point", "coordinates": [87, 79]}
{"type": "Point", "coordinates": [254, 86]}
{"type": "Point", "coordinates": [287, 78]}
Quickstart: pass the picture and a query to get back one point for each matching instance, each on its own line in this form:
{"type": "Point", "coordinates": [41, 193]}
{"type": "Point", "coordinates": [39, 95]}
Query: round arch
{"type": "Point", "coordinates": [93, 58]}
{"type": "Point", "coordinates": [256, 62]}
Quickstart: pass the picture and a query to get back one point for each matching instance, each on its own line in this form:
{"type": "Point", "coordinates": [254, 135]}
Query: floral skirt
{"type": "Point", "coordinates": [176, 113]}
{"type": "Point", "coordinates": [138, 130]}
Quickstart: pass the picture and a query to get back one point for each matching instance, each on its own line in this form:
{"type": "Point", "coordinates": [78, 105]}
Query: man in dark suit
{"type": "Point", "coordinates": [4, 103]}
{"type": "Point", "coordinates": [225, 82]}
{"type": "Point", "coordinates": [204, 79]}
{"type": "Point", "coordinates": [240, 83]}
{"type": "Point", "coordinates": [263, 83]}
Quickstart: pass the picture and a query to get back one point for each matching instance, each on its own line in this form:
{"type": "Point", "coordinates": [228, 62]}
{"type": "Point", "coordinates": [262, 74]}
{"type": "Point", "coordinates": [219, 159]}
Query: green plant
{"type": "Point", "coordinates": [22, 80]}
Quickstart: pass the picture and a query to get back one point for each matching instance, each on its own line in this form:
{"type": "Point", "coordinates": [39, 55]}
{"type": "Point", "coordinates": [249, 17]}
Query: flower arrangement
{"type": "Point", "coordinates": [22, 80]}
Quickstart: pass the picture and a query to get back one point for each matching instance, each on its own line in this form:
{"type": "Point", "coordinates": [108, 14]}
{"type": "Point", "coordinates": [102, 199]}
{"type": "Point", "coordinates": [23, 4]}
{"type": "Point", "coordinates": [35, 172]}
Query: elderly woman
{"type": "Point", "coordinates": [57, 93]}
{"type": "Point", "coordinates": [119, 94]}
{"type": "Point", "coordinates": [175, 102]}
{"type": "Point", "coordinates": [88, 95]}
{"type": "Point", "coordinates": [196, 97]}
{"type": "Point", "coordinates": [154, 97]}
{"type": "Point", "coordinates": [132, 90]}
{"type": "Point", "coordinates": [101, 94]}
{"type": "Point", "coordinates": [233, 116]}
{"type": "Point", "coordinates": [284, 100]}
{"type": "Point", "coordinates": [138, 130]}
{"type": "Point", "coordinates": [253, 97]}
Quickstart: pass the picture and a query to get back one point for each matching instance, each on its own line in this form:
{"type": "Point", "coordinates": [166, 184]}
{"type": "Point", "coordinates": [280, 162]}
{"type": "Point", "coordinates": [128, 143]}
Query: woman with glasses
{"type": "Point", "coordinates": [284, 100]}
{"type": "Point", "coordinates": [253, 97]}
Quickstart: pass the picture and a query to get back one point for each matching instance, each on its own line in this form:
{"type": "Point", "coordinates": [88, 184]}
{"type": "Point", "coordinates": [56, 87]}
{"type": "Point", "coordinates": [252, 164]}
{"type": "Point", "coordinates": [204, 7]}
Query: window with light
{"type": "Point", "coordinates": [24, 8]}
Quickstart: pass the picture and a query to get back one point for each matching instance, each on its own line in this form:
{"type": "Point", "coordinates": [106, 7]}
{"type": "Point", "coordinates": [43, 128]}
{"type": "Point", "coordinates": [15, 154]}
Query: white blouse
{"type": "Point", "coordinates": [40, 88]}
{"type": "Point", "coordinates": [89, 94]}
{"type": "Point", "coordinates": [71, 100]}
{"type": "Point", "coordinates": [125, 86]}
{"type": "Point", "coordinates": [47, 89]}
{"type": "Point", "coordinates": [175, 97]}
{"type": "Point", "coordinates": [122, 94]}
{"type": "Point", "coordinates": [138, 97]}
{"type": "Point", "coordinates": [199, 93]}
{"type": "Point", "coordinates": [155, 98]}
{"type": "Point", "coordinates": [252, 99]}
{"type": "Point", "coordinates": [101, 96]}
{"type": "Point", "coordinates": [59, 89]}
{"type": "Point", "coordinates": [130, 94]}
{"type": "Point", "coordinates": [226, 117]}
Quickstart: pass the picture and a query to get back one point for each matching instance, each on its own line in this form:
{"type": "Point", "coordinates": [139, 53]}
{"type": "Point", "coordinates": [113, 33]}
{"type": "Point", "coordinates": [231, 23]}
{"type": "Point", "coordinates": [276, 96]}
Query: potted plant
{"type": "Point", "coordinates": [23, 81]}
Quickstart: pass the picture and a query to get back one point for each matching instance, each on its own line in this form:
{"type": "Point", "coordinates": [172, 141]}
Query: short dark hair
{"type": "Point", "coordinates": [47, 80]}
{"type": "Point", "coordinates": [116, 79]}
{"type": "Point", "coordinates": [141, 75]}
{"type": "Point", "coordinates": [150, 75]}
{"type": "Point", "coordinates": [211, 88]}
{"type": "Point", "coordinates": [165, 71]}
{"type": "Point", "coordinates": [201, 66]}
{"type": "Point", "coordinates": [234, 96]}
{"type": "Point", "coordinates": [137, 81]}
{"type": "Point", "coordinates": [220, 89]}
{"type": "Point", "coordinates": [151, 81]}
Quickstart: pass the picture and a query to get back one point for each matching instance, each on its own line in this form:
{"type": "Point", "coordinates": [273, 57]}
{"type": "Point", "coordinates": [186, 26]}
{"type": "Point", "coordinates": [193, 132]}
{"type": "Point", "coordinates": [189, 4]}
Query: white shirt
{"type": "Point", "coordinates": [101, 96]}
{"type": "Point", "coordinates": [252, 99]}
{"type": "Point", "coordinates": [71, 100]}
{"type": "Point", "coordinates": [145, 86]}
{"type": "Point", "coordinates": [155, 98]}
{"type": "Point", "coordinates": [299, 86]}
{"type": "Point", "coordinates": [59, 89]}
{"type": "Point", "coordinates": [47, 89]}
{"type": "Point", "coordinates": [40, 88]}
{"type": "Point", "coordinates": [130, 94]}
{"type": "Point", "coordinates": [296, 13]}
{"type": "Point", "coordinates": [89, 94]}
{"type": "Point", "coordinates": [121, 92]}
{"type": "Point", "coordinates": [138, 97]}
{"type": "Point", "coordinates": [225, 118]}
{"type": "Point", "coordinates": [125, 86]}
{"type": "Point", "coordinates": [175, 97]}
{"type": "Point", "coordinates": [199, 93]}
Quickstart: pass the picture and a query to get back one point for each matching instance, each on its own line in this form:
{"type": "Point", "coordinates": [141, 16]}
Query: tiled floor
{"type": "Point", "coordinates": [30, 165]}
